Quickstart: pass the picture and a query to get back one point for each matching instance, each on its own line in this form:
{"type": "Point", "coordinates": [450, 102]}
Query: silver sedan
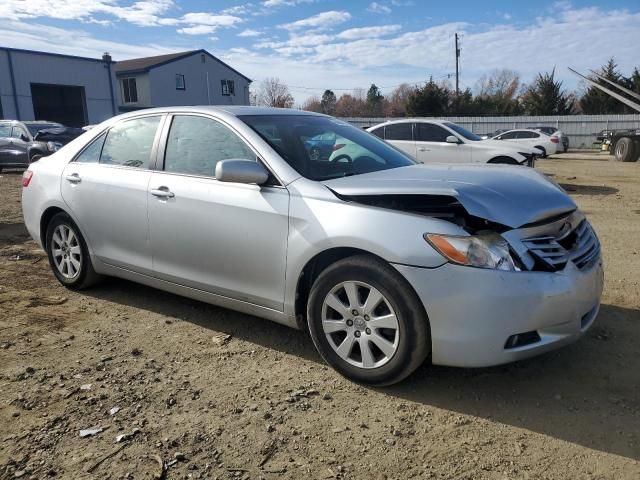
{"type": "Point", "coordinates": [383, 261]}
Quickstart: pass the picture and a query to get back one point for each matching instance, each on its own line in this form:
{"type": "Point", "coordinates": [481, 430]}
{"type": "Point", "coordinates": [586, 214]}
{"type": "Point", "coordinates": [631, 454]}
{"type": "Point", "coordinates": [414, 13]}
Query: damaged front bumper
{"type": "Point", "coordinates": [482, 317]}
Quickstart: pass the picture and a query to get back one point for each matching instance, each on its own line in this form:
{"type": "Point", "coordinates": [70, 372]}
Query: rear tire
{"type": "Point", "coordinates": [68, 254]}
{"type": "Point", "coordinates": [625, 150]}
{"type": "Point", "coordinates": [385, 340]}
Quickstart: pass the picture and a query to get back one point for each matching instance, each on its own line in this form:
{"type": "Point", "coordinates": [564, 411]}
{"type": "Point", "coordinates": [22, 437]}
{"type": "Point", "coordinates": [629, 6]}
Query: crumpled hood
{"type": "Point", "coordinates": [510, 195]}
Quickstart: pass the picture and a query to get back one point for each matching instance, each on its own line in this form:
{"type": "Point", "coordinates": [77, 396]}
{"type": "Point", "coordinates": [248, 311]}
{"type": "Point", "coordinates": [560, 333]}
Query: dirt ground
{"type": "Point", "coordinates": [261, 404]}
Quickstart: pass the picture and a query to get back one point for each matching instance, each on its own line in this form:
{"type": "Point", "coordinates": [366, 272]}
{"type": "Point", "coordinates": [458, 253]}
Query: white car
{"type": "Point", "coordinates": [439, 141]}
{"type": "Point", "coordinates": [547, 144]}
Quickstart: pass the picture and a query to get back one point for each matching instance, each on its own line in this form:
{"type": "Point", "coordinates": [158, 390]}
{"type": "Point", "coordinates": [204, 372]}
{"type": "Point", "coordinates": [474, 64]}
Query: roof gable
{"type": "Point", "coordinates": [147, 63]}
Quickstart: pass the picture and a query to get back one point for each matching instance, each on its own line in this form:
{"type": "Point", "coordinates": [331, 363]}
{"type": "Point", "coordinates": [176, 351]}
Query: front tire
{"type": "Point", "coordinates": [367, 322]}
{"type": "Point", "coordinates": [68, 254]}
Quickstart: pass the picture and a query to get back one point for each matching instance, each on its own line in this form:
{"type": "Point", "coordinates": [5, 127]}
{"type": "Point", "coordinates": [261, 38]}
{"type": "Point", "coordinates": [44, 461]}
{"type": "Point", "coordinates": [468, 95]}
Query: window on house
{"type": "Point", "coordinates": [179, 81]}
{"type": "Point", "coordinates": [129, 90]}
{"type": "Point", "coordinates": [202, 57]}
{"type": "Point", "coordinates": [228, 87]}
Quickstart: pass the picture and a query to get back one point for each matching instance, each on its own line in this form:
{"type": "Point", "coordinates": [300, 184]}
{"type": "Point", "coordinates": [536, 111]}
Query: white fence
{"type": "Point", "coordinates": [582, 129]}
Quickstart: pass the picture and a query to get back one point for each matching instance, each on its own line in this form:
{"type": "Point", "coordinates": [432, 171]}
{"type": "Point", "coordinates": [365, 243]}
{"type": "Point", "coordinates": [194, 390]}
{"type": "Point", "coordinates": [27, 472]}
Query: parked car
{"type": "Point", "coordinates": [563, 145]}
{"type": "Point", "coordinates": [438, 141]}
{"type": "Point", "coordinates": [547, 144]}
{"type": "Point", "coordinates": [24, 142]}
{"type": "Point", "coordinates": [384, 261]}
{"type": "Point", "coordinates": [489, 135]}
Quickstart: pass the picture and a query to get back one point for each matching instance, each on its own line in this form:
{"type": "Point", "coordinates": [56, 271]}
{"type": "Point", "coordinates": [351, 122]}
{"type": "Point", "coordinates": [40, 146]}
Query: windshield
{"type": "Point", "coordinates": [463, 131]}
{"type": "Point", "coordinates": [322, 148]}
{"type": "Point", "coordinates": [36, 127]}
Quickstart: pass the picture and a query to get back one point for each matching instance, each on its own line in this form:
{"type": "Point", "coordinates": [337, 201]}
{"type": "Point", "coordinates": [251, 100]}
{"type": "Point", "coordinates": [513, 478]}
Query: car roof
{"type": "Point", "coordinates": [411, 120]}
{"type": "Point", "coordinates": [235, 110]}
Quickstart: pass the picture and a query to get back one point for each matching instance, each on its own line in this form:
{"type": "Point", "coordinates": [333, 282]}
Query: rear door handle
{"type": "Point", "coordinates": [162, 192]}
{"type": "Point", "coordinates": [422, 149]}
{"type": "Point", "coordinates": [73, 178]}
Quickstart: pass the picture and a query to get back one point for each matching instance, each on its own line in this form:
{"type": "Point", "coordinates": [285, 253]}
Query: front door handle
{"type": "Point", "coordinates": [73, 178]}
{"type": "Point", "coordinates": [422, 149]}
{"type": "Point", "coordinates": [162, 192]}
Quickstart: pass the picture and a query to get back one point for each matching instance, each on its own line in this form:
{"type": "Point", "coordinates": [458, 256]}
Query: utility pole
{"type": "Point", "coordinates": [457, 66]}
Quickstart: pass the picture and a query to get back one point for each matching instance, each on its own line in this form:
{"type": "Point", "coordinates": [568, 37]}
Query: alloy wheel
{"type": "Point", "coordinates": [66, 251]}
{"type": "Point", "coordinates": [360, 324]}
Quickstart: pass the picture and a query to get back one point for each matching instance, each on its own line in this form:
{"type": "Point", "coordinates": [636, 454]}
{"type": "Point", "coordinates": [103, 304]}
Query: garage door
{"type": "Point", "coordinates": [59, 103]}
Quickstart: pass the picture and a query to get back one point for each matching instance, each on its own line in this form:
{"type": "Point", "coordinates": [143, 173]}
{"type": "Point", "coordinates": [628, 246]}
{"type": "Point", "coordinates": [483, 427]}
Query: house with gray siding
{"type": "Point", "coordinates": [195, 77]}
{"type": "Point", "coordinates": [72, 90]}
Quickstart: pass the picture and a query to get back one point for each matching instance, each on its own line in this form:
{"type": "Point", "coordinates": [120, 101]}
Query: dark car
{"type": "Point", "coordinates": [22, 143]}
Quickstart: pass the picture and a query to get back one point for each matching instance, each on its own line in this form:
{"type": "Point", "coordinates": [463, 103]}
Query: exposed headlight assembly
{"type": "Point", "coordinates": [54, 146]}
{"type": "Point", "coordinates": [482, 251]}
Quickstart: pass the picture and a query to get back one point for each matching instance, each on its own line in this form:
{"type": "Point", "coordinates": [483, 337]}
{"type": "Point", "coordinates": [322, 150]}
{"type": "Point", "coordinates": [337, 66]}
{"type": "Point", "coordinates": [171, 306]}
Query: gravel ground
{"type": "Point", "coordinates": [203, 392]}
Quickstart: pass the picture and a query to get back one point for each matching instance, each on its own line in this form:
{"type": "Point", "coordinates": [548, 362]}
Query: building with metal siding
{"type": "Point", "coordinates": [75, 91]}
{"type": "Point", "coordinates": [188, 78]}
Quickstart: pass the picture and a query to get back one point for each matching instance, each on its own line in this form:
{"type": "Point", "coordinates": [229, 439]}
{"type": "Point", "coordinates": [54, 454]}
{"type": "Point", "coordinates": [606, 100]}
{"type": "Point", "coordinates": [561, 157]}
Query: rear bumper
{"type": "Point", "coordinates": [472, 312]}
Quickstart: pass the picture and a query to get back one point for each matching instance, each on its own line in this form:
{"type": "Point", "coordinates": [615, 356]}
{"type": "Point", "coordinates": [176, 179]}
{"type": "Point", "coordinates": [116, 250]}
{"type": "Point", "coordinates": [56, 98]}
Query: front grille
{"type": "Point", "coordinates": [580, 246]}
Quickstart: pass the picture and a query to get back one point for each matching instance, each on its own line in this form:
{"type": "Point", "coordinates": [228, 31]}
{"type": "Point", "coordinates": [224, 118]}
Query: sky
{"type": "Point", "coordinates": [313, 45]}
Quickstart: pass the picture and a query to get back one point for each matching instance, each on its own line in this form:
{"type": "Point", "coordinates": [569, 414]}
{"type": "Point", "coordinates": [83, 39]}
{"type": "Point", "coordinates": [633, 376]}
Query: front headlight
{"type": "Point", "coordinates": [54, 146]}
{"type": "Point", "coordinates": [483, 251]}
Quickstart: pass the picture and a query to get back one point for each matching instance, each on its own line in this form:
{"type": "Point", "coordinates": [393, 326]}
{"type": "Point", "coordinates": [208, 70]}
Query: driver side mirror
{"type": "Point", "coordinates": [452, 139]}
{"type": "Point", "coordinates": [24, 138]}
{"type": "Point", "coordinates": [241, 171]}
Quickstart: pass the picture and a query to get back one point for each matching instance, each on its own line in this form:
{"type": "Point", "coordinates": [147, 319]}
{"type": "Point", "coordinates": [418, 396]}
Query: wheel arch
{"type": "Point", "coordinates": [45, 219]}
{"type": "Point", "coordinates": [314, 267]}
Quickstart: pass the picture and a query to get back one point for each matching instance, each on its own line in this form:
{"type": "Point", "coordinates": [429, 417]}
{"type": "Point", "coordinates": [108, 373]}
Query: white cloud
{"type": "Point", "coordinates": [197, 30]}
{"type": "Point", "coordinates": [238, 9]}
{"type": "Point", "coordinates": [368, 32]}
{"type": "Point", "coordinates": [73, 42]}
{"type": "Point", "coordinates": [284, 3]}
{"type": "Point", "coordinates": [375, 7]}
{"type": "Point", "coordinates": [201, 23]}
{"type": "Point", "coordinates": [250, 33]}
{"type": "Point", "coordinates": [142, 13]}
{"type": "Point", "coordinates": [322, 20]}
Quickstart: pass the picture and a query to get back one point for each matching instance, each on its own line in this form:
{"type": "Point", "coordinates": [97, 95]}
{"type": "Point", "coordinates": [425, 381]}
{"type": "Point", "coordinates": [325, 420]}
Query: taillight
{"type": "Point", "coordinates": [338, 146]}
{"type": "Point", "coordinates": [554, 139]}
{"type": "Point", "coordinates": [26, 178]}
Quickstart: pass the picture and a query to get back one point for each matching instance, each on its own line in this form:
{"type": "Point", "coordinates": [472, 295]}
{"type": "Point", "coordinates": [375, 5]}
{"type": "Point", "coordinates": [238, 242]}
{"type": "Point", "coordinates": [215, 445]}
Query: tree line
{"type": "Point", "coordinates": [500, 93]}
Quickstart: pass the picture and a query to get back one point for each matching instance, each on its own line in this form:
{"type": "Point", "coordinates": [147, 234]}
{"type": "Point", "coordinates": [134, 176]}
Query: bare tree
{"type": "Point", "coordinates": [274, 93]}
{"type": "Point", "coordinates": [312, 104]}
{"type": "Point", "coordinates": [396, 105]}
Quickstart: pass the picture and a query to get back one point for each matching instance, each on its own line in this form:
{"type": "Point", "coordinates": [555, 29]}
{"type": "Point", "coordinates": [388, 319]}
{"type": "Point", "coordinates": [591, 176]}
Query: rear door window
{"type": "Point", "coordinates": [378, 132]}
{"type": "Point", "coordinates": [91, 154]}
{"type": "Point", "coordinates": [398, 131]}
{"type": "Point", "coordinates": [129, 143]}
{"type": "Point", "coordinates": [428, 132]}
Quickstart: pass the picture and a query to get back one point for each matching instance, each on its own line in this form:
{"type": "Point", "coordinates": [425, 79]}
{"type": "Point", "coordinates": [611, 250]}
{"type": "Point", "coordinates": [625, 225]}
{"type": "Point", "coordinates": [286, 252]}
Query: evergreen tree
{"type": "Point", "coordinates": [546, 97]}
{"type": "Point", "coordinates": [328, 102]}
{"type": "Point", "coordinates": [374, 101]}
{"type": "Point", "coordinates": [432, 100]}
{"type": "Point", "coordinates": [597, 102]}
